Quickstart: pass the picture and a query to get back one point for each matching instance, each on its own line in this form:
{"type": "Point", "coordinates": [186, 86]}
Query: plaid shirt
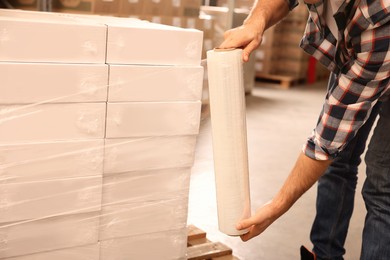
{"type": "Point", "coordinates": [361, 60]}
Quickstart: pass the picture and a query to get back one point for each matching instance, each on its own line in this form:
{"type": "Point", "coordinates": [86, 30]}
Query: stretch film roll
{"type": "Point", "coordinates": [227, 105]}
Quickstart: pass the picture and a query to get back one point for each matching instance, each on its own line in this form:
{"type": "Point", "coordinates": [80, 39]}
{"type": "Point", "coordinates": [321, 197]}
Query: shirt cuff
{"type": "Point", "coordinates": [315, 151]}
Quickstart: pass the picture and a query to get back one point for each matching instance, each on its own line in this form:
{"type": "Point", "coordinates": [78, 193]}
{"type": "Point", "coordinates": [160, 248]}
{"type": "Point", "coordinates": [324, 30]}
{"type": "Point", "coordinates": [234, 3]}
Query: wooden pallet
{"type": "Point", "coordinates": [285, 81]}
{"type": "Point", "coordinates": [199, 247]}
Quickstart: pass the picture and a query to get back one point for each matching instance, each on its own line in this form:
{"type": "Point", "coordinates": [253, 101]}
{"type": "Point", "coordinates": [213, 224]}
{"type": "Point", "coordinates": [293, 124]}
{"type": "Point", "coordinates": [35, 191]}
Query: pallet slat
{"type": "Point", "coordinates": [226, 257]}
{"type": "Point", "coordinates": [194, 233]}
{"type": "Point", "coordinates": [285, 81]}
{"type": "Point", "coordinates": [200, 248]}
{"type": "Point", "coordinates": [207, 251]}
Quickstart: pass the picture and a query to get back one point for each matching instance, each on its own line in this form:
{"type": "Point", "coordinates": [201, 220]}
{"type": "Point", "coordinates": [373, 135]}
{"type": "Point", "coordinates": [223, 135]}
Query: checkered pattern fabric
{"type": "Point", "coordinates": [361, 60]}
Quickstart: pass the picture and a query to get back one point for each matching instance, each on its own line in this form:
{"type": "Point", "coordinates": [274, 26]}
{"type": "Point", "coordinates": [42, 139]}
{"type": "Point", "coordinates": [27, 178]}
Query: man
{"type": "Point", "coordinates": [351, 38]}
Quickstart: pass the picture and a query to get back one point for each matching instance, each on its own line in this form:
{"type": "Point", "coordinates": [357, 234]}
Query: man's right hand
{"type": "Point", "coordinates": [248, 37]}
{"type": "Point", "coordinates": [264, 14]}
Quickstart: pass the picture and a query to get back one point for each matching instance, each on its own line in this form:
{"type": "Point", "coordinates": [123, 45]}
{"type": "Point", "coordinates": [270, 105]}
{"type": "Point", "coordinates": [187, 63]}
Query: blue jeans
{"type": "Point", "coordinates": [376, 191]}
{"type": "Point", "coordinates": [336, 192]}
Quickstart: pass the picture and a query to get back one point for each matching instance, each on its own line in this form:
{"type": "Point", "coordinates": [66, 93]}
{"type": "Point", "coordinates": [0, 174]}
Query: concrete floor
{"type": "Point", "coordinates": [278, 121]}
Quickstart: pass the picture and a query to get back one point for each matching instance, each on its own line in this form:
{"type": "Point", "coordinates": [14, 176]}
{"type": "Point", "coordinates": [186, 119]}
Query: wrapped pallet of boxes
{"type": "Point", "coordinates": [98, 131]}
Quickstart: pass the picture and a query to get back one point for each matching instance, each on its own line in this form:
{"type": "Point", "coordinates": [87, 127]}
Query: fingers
{"type": "Point", "coordinates": [246, 223]}
{"type": "Point", "coordinates": [252, 224]}
{"type": "Point", "coordinates": [242, 37]}
{"type": "Point", "coordinates": [232, 42]}
{"type": "Point", "coordinates": [258, 222]}
{"type": "Point", "coordinates": [254, 231]}
{"type": "Point", "coordinates": [226, 40]}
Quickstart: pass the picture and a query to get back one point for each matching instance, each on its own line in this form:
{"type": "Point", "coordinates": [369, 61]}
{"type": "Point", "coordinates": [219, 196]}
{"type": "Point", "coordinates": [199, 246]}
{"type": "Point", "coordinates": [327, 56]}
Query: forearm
{"type": "Point", "coordinates": [303, 175]}
{"type": "Point", "coordinates": [269, 11]}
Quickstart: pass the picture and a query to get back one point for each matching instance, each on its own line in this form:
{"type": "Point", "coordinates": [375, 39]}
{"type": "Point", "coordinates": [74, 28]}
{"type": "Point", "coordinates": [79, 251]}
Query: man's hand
{"type": "Point", "coordinates": [263, 15]}
{"type": "Point", "coordinates": [247, 36]}
{"type": "Point", "coordinates": [264, 217]}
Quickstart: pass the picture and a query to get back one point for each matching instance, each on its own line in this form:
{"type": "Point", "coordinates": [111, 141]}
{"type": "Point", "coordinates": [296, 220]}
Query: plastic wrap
{"type": "Point", "coordinates": [95, 158]}
{"type": "Point", "coordinates": [162, 215]}
{"type": "Point", "coordinates": [29, 162]}
{"type": "Point", "coordinates": [17, 29]}
{"type": "Point", "coordinates": [124, 48]}
{"type": "Point", "coordinates": [84, 83]}
{"type": "Point", "coordinates": [228, 120]}
{"type": "Point", "coordinates": [51, 122]}
{"type": "Point", "coordinates": [88, 252]}
{"type": "Point", "coordinates": [49, 198]}
{"type": "Point", "coordinates": [146, 185]}
{"type": "Point", "coordinates": [132, 154]}
{"type": "Point", "coordinates": [185, 83]}
{"type": "Point", "coordinates": [49, 233]}
{"type": "Point", "coordinates": [169, 245]}
{"type": "Point", "coordinates": [152, 119]}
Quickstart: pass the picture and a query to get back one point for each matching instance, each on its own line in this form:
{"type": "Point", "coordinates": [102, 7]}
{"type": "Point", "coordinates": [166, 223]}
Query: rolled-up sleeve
{"type": "Point", "coordinates": [359, 85]}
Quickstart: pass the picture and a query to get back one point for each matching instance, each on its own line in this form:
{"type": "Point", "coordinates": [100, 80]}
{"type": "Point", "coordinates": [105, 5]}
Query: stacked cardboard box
{"type": "Point", "coordinates": [31, 5]}
{"type": "Point", "coordinates": [98, 131]}
{"type": "Point", "coordinates": [263, 54]}
{"type": "Point", "coordinates": [124, 8]}
{"type": "Point", "coordinates": [244, 4]}
{"type": "Point", "coordinates": [279, 53]}
{"type": "Point", "coordinates": [290, 58]}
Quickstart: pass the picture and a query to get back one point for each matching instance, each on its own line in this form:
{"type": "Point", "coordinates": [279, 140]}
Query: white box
{"type": "Point", "coordinates": [23, 83]}
{"type": "Point", "coordinates": [89, 252]}
{"type": "Point", "coordinates": [28, 237]}
{"type": "Point", "coordinates": [130, 41]}
{"type": "Point", "coordinates": [150, 44]}
{"type": "Point", "coordinates": [42, 199]}
{"type": "Point", "coordinates": [35, 37]}
{"type": "Point", "coordinates": [141, 186]}
{"type": "Point", "coordinates": [123, 155]}
{"type": "Point", "coordinates": [45, 161]}
{"type": "Point", "coordinates": [155, 83]}
{"type": "Point", "coordinates": [140, 119]}
{"type": "Point", "coordinates": [51, 122]}
{"type": "Point", "coordinates": [141, 218]}
{"type": "Point", "coordinates": [166, 245]}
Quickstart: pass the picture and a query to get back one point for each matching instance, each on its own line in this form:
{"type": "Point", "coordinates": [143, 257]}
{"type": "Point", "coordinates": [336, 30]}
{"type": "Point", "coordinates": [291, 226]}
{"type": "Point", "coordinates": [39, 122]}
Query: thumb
{"type": "Point", "coordinates": [249, 48]}
{"type": "Point", "coordinates": [246, 223]}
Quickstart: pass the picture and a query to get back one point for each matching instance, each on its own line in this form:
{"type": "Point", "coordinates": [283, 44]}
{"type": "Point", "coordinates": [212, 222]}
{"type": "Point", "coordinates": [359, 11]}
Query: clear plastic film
{"type": "Point", "coordinates": [95, 157]}
{"type": "Point", "coordinates": [228, 120]}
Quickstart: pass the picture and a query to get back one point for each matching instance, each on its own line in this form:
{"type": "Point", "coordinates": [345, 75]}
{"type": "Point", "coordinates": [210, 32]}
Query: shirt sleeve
{"type": "Point", "coordinates": [359, 85]}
